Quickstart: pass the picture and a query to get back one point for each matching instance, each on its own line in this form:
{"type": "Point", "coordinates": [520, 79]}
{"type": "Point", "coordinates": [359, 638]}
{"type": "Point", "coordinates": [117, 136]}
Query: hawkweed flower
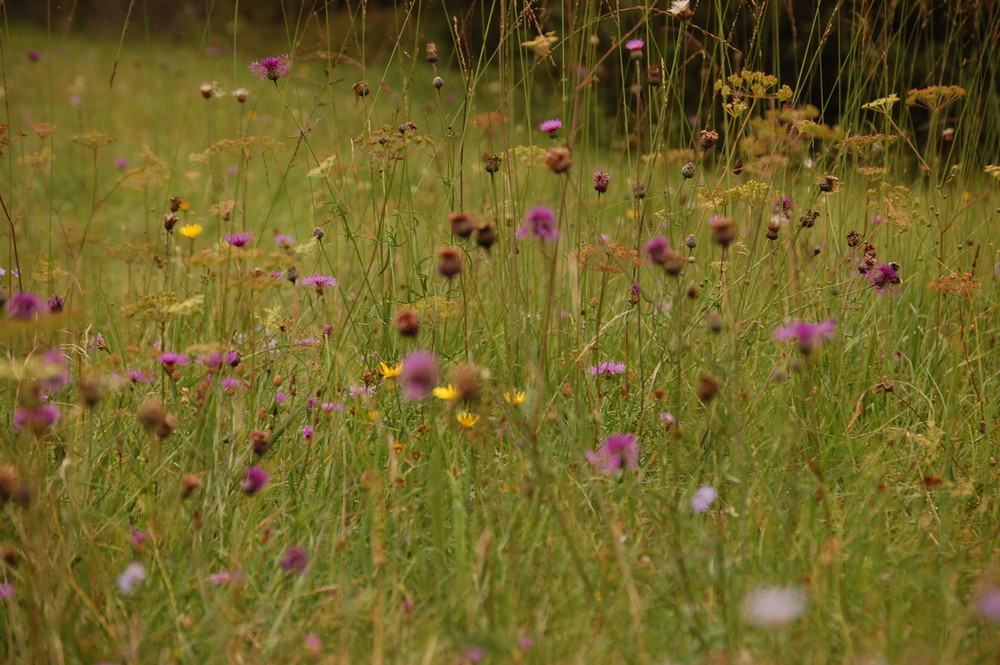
{"type": "Point", "coordinates": [608, 369]}
{"type": "Point", "coordinates": [390, 371]}
{"type": "Point", "coordinates": [551, 127]}
{"type": "Point", "coordinates": [884, 276]}
{"type": "Point", "coordinates": [515, 398]}
{"type": "Point", "coordinates": [24, 306]}
{"type": "Point", "coordinates": [419, 375]}
{"type": "Point", "coordinates": [241, 239]}
{"type": "Point", "coordinates": [272, 68]}
{"type": "Point", "coordinates": [191, 231]}
{"type": "Point", "coordinates": [447, 393]}
{"type": "Point", "coordinates": [539, 222]}
{"type": "Point", "coordinates": [256, 479]}
{"type": "Point", "coordinates": [703, 498]}
{"type": "Point", "coordinates": [774, 607]}
{"type": "Point", "coordinates": [295, 560]}
{"type": "Point", "coordinates": [466, 419]}
{"type": "Point", "coordinates": [319, 281]}
{"type": "Point", "coordinates": [601, 181]}
{"type": "Point", "coordinates": [620, 451]}
{"type": "Point", "coordinates": [131, 578]}
{"type": "Point", "coordinates": [809, 335]}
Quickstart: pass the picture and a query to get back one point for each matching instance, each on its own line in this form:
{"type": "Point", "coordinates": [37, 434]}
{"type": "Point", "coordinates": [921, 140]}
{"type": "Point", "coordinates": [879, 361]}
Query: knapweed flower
{"type": "Point", "coordinates": [634, 47]}
{"type": "Point", "coordinates": [191, 230]}
{"type": "Point", "coordinates": [37, 420]}
{"type": "Point", "coordinates": [272, 68]}
{"type": "Point", "coordinates": [295, 560]}
{"type": "Point", "coordinates": [24, 306]}
{"type": "Point", "coordinates": [171, 359]}
{"type": "Point", "coordinates": [667, 419]}
{"type": "Point", "coordinates": [307, 432]}
{"type": "Point", "coordinates": [884, 276]}
{"type": "Point", "coordinates": [466, 419]}
{"type": "Point", "coordinates": [419, 375]}
{"type": "Point", "coordinates": [6, 590]}
{"type": "Point", "coordinates": [515, 398]}
{"type": "Point", "coordinates": [703, 498]}
{"type": "Point", "coordinates": [601, 181]}
{"type": "Point", "coordinates": [131, 578]}
{"type": "Point", "coordinates": [319, 281]}
{"type": "Point", "coordinates": [284, 241]}
{"type": "Point", "coordinates": [231, 385]}
{"type": "Point", "coordinates": [255, 481]}
{"type": "Point", "coordinates": [136, 376]}
{"type": "Point", "coordinates": [774, 607]}
{"type": "Point", "coordinates": [551, 127]}
{"type": "Point", "coordinates": [390, 371]}
{"type": "Point", "coordinates": [607, 368]}
{"type": "Point", "coordinates": [809, 335]}
{"type": "Point", "coordinates": [619, 452]}
{"type": "Point", "coordinates": [447, 393]}
{"type": "Point", "coordinates": [541, 223]}
{"type": "Point", "coordinates": [988, 604]}
{"type": "Point", "coordinates": [241, 239]}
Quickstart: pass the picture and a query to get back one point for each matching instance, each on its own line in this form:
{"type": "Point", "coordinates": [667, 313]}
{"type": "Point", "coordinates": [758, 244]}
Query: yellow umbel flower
{"type": "Point", "coordinates": [447, 393]}
{"type": "Point", "coordinates": [515, 398]}
{"type": "Point", "coordinates": [466, 419]}
{"type": "Point", "coordinates": [390, 371]}
{"type": "Point", "coordinates": [191, 230]}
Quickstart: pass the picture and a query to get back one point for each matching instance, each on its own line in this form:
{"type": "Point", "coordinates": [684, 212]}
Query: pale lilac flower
{"type": "Point", "coordinates": [223, 577]}
{"type": "Point", "coordinates": [360, 391]}
{"type": "Point", "coordinates": [774, 607]}
{"type": "Point", "coordinates": [539, 222]}
{"type": "Point", "coordinates": [703, 498]}
{"type": "Point", "coordinates": [131, 578]}
{"type": "Point", "coordinates": [240, 239]}
{"type": "Point", "coordinates": [989, 604]}
{"type": "Point", "coordinates": [272, 68]}
{"type": "Point", "coordinates": [608, 368]}
{"type": "Point", "coordinates": [284, 241]}
{"type": "Point", "coordinates": [620, 451]}
{"type": "Point", "coordinates": [809, 335]}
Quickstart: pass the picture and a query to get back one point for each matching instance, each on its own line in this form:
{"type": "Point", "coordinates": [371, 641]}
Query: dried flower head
{"type": "Point", "coordinates": [449, 261]}
{"type": "Point", "coordinates": [491, 162]}
{"type": "Point", "coordinates": [407, 323]}
{"type": "Point", "coordinates": [558, 160]}
{"type": "Point", "coordinates": [709, 139]}
{"type": "Point", "coordinates": [681, 10]}
{"type": "Point", "coordinates": [462, 224]}
{"type": "Point", "coordinates": [723, 230]}
{"type": "Point", "coordinates": [361, 89]}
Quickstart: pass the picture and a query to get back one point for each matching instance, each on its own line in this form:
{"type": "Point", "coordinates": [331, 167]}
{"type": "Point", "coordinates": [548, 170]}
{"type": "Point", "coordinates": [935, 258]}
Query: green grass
{"type": "Point", "coordinates": [861, 474]}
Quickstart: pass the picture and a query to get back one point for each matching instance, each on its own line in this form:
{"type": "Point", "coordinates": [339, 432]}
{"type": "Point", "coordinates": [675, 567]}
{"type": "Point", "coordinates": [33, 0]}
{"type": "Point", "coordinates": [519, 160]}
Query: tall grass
{"type": "Point", "coordinates": [853, 470]}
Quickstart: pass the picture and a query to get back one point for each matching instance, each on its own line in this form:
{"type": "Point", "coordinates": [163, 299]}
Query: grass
{"type": "Point", "coordinates": [855, 518]}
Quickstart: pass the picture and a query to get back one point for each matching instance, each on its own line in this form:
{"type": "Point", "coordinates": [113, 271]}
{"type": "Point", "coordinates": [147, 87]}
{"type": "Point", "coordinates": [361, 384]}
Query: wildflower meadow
{"type": "Point", "coordinates": [504, 332]}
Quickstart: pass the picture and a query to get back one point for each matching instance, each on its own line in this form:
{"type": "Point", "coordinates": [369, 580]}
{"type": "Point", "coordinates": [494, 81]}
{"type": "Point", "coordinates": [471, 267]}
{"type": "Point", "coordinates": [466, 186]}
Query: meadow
{"type": "Point", "coordinates": [506, 333]}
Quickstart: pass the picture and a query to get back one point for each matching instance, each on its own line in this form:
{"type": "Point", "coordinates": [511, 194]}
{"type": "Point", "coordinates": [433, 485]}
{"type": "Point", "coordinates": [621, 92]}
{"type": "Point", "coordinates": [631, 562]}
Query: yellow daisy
{"type": "Point", "coordinates": [447, 393]}
{"type": "Point", "coordinates": [515, 398]}
{"type": "Point", "coordinates": [391, 371]}
{"type": "Point", "coordinates": [466, 419]}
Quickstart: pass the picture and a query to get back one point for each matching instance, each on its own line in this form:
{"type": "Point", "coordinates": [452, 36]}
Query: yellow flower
{"type": "Point", "coordinates": [515, 398]}
{"type": "Point", "coordinates": [466, 419]}
{"type": "Point", "coordinates": [373, 416]}
{"type": "Point", "coordinates": [391, 371]}
{"type": "Point", "coordinates": [185, 206]}
{"type": "Point", "coordinates": [447, 393]}
{"type": "Point", "coordinates": [191, 230]}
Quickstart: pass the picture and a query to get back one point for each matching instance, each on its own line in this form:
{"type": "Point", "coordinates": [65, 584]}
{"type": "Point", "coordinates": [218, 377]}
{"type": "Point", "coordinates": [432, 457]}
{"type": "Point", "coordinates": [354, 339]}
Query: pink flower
{"type": "Point", "coordinates": [703, 498]}
{"type": "Point", "coordinates": [618, 452]}
{"type": "Point", "coordinates": [272, 68]}
{"type": "Point", "coordinates": [295, 560]}
{"type": "Point", "coordinates": [419, 375]}
{"type": "Point", "coordinates": [541, 223]}
{"type": "Point", "coordinates": [608, 368]}
{"type": "Point", "coordinates": [884, 276]}
{"type": "Point", "coordinates": [634, 45]}
{"type": "Point", "coordinates": [810, 335]}
{"type": "Point", "coordinates": [551, 127]}
{"type": "Point", "coordinates": [240, 239]}
{"type": "Point", "coordinates": [171, 359]}
{"type": "Point", "coordinates": [255, 481]}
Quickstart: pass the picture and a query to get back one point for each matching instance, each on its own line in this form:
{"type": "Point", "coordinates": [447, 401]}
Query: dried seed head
{"type": "Point", "coordinates": [853, 239]}
{"type": "Point", "coordinates": [241, 95]}
{"type": "Point", "coordinates": [318, 233]}
{"type": "Point", "coordinates": [558, 160]}
{"type": "Point", "coordinates": [486, 235]}
{"type": "Point", "coordinates": [169, 221]}
{"type": "Point", "coordinates": [639, 189]}
{"type": "Point", "coordinates": [206, 90]}
{"type": "Point", "coordinates": [772, 229]}
{"type": "Point", "coordinates": [292, 275]}
{"type": "Point", "coordinates": [260, 441]}
{"type": "Point", "coordinates": [91, 390]}
{"type": "Point", "coordinates": [407, 323]}
{"type": "Point", "coordinates": [438, 82]}
{"type": "Point", "coordinates": [688, 170]}
{"type": "Point", "coordinates": [808, 220]}
{"type": "Point", "coordinates": [461, 224]}
{"type": "Point", "coordinates": [708, 387]}
{"type": "Point", "coordinates": [691, 241]}
{"type": "Point", "coordinates": [709, 139]}
{"type": "Point", "coordinates": [491, 162]}
{"type": "Point", "coordinates": [692, 292]}
{"type": "Point", "coordinates": [151, 413]}
{"type": "Point", "coordinates": [166, 426]}
{"type": "Point", "coordinates": [449, 262]}
{"type": "Point", "coordinates": [653, 76]}
{"type": "Point", "coordinates": [175, 203]}
{"type": "Point", "coordinates": [432, 52]}
{"type": "Point", "coordinates": [715, 323]}
{"type": "Point", "coordinates": [407, 127]}
{"type": "Point", "coordinates": [827, 183]}
{"type": "Point", "coordinates": [361, 89]}
{"type": "Point", "coordinates": [465, 379]}
{"type": "Point", "coordinates": [190, 484]}
{"type": "Point", "coordinates": [723, 230]}
{"type": "Point", "coordinates": [10, 483]}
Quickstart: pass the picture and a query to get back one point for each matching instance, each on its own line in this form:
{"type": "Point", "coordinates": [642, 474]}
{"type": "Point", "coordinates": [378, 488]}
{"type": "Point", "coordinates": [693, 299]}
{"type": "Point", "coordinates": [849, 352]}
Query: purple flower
{"type": "Point", "coordinates": [878, 219]}
{"type": "Point", "coordinates": [608, 368]}
{"type": "Point", "coordinates": [810, 335]}
{"type": "Point", "coordinates": [525, 642]}
{"type": "Point", "coordinates": [54, 371]}
{"type": "Point", "coordinates": [280, 398]}
{"type": "Point", "coordinates": [295, 560]}
{"type": "Point", "coordinates": [6, 590]}
{"type": "Point", "coordinates": [540, 222]}
{"type": "Point", "coordinates": [136, 537]}
{"type": "Point", "coordinates": [618, 452]}
{"type": "Point", "coordinates": [170, 359]}
{"type": "Point", "coordinates": [272, 68]}
{"type": "Point", "coordinates": [131, 578]}
{"type": "Point", "coordinates": [667, 418]}
{"type": "Point", "coordinates": [658, 249]}
{"type": "Point", "coordinates": [138, 377]}
{"type": "Point", "coordinates": [330, 407]}
{"type": "Point", "coordinates": [883, 276]}
{"type": "Point", "coordinates": [989, 604]}
{"type": "Point", "coordinates": [230, 384]}
{"type": "Point", "coordinates": [634, 45]}
{"type": "Point", "coordinates": [307, 432]}
{"type": "Point", "coordinates": [240, 239]}
{"type": "Point", "coordinates": [319, 281]}
{"type": "Point", "coordinates": [34, 56]}
{"type": "Point", "coordinates": [37, 419]}
{"type": "Point", "coordinates": [419, 375]}
{"type": "Point", "coordinates": [703, 498]}
{"type": "Point", "coordinates": [255, 480]}
{"type": "Point", "coordinates": [551, 127]}
{"type": "Point", "coordinates": [284, 241]}
{"type": "Point", "coordinates": [782, 207]}
{"type": "Point", "coordinates": [473, 653]}
{"type": "Point", "coordinates": [24, 306]}
{"type": "Point", "coordinates": [121, 163]}
{"type": "Point", "coordinates": [601, 181]}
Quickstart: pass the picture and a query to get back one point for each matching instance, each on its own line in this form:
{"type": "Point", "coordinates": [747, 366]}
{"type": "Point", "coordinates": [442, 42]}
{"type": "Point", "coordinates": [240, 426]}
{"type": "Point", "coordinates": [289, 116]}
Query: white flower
{"type": "Point", "coordinates": [680, 9]}
{"type": "Point", "coordinates": [133, 576]}
{"type": "Point", "coordinates": [774, 607]}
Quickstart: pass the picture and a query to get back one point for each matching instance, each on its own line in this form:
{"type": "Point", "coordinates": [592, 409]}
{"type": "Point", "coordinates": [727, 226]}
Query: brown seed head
{"type": "Point", "coordinates": [491, 162]}
{"type": "Point", "coordinates": [10, 483]}
{"type": "Point", "coordinates": [723, 230]}
{"type": "Point", "coordinates": [707, 387]}
{"type": "Point", "coordinates": [190, 484]}
{"type": "Point", "coordinates": [558, 160]}
{"type": "Point", "coordinates": [407, 323]}
{"type": "Point", "coordinates": [151, 413]}
{"type": "Point", "coordinates": [486, 235]}
{"type": "Point", "coordinates": [465, 379]}
{"type": "Point", "coordinates": [462, 224]}
{"type": "Point", "coordinates": [361, 89]}
{"type": "Point", "coordinates": [449, 262]}
{"type": "Point", "coordinates": [432, 52]}
{"type": "Point", "coordinates": [709, 139]}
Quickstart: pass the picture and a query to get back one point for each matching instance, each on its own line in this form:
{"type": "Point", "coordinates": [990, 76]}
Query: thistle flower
{"type": "Point", "coordinates": [24, 306]}
{"type": "Point", "coordinates": [37, 420]}
{"type": "Point", "coordinates": [461, 223]}
{"type": "Point", "coordinates": [601, 181]}
{"type": "Point", "coordinates": [319, 281]}
{"type": "Point", "coordinates": [634, 47]}
{"type": "Point", "coordinates": [283, 240]}
{"type": "Point", "coordinates": [883, 276]}
{"type": "Point", "coordinates": [551, 127]}
{"type": "Point", "coordinates": [255, 481]}
{"type": "Point", "coordinates": [240, 239]}
{"type": "Point", "coordinates": [272, 68]}
{"type": "Point", "coordinates": [407, 323]}
{"type": "Point", "coordinates": [619, 451]}
{"type": "Point", "coordinates": [540, 222]}
{"type": "Point", "coordinates": [809, 335]}
{"type": "Point", "coordinates": [449, 262]}
{"type": "Point", "coordinates": [171, 359]}
{"type": "Point", "coordinates": [708, 139]}
{"type": "Point", "coordinates": [420, 373]}
{"type": "Point", "coordinates": [723, 230]}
